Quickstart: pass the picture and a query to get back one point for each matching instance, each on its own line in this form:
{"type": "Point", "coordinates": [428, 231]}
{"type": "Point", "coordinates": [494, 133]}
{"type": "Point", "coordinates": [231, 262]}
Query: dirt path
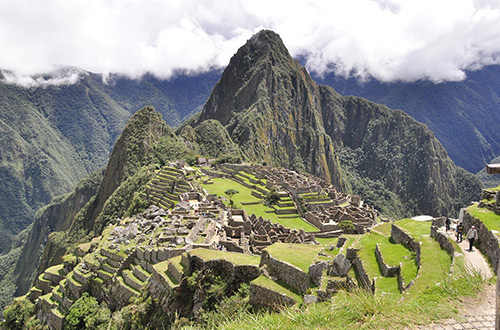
{"type": "Point", "coordinates": [475, 260]}
{"type": "Point", "coordinates": [477, 312]}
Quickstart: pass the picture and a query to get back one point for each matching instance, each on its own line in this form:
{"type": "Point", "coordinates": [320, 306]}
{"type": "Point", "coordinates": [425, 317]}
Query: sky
{"type": "Point", "coordinates": [389, 40]}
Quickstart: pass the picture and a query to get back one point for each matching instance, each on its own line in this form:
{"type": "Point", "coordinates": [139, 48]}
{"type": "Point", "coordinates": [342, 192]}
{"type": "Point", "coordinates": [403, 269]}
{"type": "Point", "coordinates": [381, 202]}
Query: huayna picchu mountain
{"type": "Point", "coordinates": [277, 114]}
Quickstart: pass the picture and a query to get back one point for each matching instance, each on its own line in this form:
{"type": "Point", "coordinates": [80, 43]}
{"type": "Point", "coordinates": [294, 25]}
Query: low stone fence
{"type": "Point", "coordinates": [443, 240]}
{"type": "Point", "coordinates": [400, 237]}
{"type": "Point", "coordinates": [364, 279]}
{"type": "Point", "coordinates": [402, 285]}
{"type": "Point", "coordinates": [286, 272]}
{"type": "Point", "coordinates": [387, 271]}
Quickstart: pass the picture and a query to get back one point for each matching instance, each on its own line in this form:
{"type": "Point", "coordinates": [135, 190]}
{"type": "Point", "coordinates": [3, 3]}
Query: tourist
{"type": "Point", "coordinates": [471, 236]}
{"type": "Point", "coordinates": [447, 222]}
{"type": "Point", "coordinates": [460, 231]}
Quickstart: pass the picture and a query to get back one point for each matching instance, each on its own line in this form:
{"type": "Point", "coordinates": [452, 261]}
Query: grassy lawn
{"type": "Point", "coordinates": [414, 228]}
{"type": "Point", "coordinates": [384, 228]}
{"type": "Point", "coordinates": [236, 258]}
{"type": "Point", "coordinates": [394, 254]}
{"type": "Point", "coordinates": [244, 195]}
{"type": "Point", "coordinates": [327, 240]}
{"type": "Point", "coordinates": [489, 218]}
{"type": "Point", "coordinates": [299, 255]}
{"type": "Point", "coordinates": [435, 265]}
{"type": "Point", "coordinates": [57, 269]}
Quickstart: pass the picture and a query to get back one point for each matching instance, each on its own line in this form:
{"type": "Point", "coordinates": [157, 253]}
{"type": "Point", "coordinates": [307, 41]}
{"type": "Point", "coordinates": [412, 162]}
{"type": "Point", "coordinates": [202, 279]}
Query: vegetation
{"type": "Point", "coordinates": [86, 313]}
{"type": "Point", "coordinates": [231, 193]}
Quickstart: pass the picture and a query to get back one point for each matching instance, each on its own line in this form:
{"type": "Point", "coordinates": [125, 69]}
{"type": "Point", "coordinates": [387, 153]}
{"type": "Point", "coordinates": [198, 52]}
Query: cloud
{"type": "Point", "coordinates": [386, 39]}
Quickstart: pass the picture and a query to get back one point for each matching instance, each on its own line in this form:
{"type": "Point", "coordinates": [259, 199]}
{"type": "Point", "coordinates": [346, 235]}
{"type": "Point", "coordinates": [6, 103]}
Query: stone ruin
{"type": "Point", "coordinates": [251, 234]}
{"type": "Point", "coordinates": [490, 199]}
{"type": "Point", "coordinates": [323, 205]}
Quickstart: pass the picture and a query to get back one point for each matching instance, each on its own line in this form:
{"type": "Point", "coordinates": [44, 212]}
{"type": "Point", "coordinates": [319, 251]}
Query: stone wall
{"type": "Point", "coordinates": [400, 237]}
{"type": "Point", "coordinates": [443, 240]}
{"type": "Point", "coordinates": [387, 271]}
{"type": "Point", "coordinates": [364, 279]}
{"type": "Point", "coordinates": [487, 241]}
{"type": "Point", "coordinates": [402, 285]}
{"type": "Point", "coordinates": [261, 296]}
{"type": "Point", "coordinates": [286, 272]}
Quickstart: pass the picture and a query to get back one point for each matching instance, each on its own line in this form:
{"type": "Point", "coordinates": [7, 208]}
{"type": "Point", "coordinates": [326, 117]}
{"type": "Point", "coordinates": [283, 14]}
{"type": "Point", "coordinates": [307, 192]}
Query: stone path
{"type": "Point", "coordinates": [477, 314]}
{"type": "Point", "coordinates": [475, 260]}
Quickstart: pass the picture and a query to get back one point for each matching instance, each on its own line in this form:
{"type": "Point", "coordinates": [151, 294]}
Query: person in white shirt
{"type": "Point", "coordinates": [471, 236]}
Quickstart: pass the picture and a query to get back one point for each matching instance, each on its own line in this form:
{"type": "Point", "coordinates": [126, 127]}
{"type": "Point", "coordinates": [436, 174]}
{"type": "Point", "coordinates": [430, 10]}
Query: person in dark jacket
{"type": "Point", "coordinates": [460, 231]}
{"type": "Point", "coordinates": [447, 222]}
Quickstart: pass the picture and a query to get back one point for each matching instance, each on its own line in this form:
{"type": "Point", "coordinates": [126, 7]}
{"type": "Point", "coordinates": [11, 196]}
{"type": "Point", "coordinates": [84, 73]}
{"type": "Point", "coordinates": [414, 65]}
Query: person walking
{"type": "Point", "coordinates": [472, 236]}
{"type": "Point", "coordinates": [448, 222]}
{"type": "Point", "coordinates": [460, 232]}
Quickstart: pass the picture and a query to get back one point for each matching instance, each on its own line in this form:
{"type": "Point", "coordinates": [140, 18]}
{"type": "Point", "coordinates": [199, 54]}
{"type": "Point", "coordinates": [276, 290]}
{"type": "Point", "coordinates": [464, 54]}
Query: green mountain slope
{"type": "Point", "coordinates": [52, 137]}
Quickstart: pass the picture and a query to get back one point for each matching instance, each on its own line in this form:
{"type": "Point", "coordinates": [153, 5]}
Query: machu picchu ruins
{"type": "Point", "coordinates": [191, 227]}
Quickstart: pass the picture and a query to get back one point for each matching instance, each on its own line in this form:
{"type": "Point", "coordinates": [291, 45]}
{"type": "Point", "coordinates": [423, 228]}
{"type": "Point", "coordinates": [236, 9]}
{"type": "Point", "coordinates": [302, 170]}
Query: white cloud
{"type": "Point", "coordinates": [388, 39]}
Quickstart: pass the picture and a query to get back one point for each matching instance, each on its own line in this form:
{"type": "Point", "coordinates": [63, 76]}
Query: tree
{"type": "Point", "coordinates": [231, 193]}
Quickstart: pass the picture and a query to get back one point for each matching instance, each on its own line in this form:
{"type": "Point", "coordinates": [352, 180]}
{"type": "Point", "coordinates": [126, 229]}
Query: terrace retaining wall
{"type": "Point", "coordinates": [288, 273]}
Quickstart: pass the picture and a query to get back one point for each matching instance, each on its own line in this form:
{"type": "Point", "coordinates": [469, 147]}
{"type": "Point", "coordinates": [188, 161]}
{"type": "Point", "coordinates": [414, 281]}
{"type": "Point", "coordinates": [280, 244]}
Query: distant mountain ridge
{"type": "Point", "coordinates": [464, 116]}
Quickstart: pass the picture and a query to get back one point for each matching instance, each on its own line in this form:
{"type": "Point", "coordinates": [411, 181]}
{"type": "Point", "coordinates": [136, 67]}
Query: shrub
{"type": "Point", "coordinates": [347, 226]}
{"type": "Point", "coordinates": [86, 313]}
{"type": "Point", "coordinates": [18, 313]}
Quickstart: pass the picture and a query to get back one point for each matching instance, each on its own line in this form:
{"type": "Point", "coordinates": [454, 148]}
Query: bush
{"type": "Point", "coordinates": [347, 226]}
{"type": "Point", "coordinates": [272, 197]}
{"type": "Point", "coordinates": [18, 313]}
{"type": "Point", "coordinates": [87, 314]}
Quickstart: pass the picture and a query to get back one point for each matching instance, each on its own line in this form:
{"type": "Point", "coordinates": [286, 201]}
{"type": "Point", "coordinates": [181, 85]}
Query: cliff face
{"type": "Point", "coordinates": [271, 108]}
{"type": "Point", "coordinates": [276, 113]}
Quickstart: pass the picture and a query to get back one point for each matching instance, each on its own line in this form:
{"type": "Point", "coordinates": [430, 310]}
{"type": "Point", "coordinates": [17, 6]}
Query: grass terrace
{"type": "Point", "coordinates": [366, 245]}
{"type": "Point", "coordinates": [235, 258]}
{"type": "Point", "coordinates": [414, 228]}
{"type": "Point", "coordinates": [265, 282]}
{"type": "Point", "coordinates": [299, 255]}
{"type": "Point", "coordinates": [383, 228]}
{"type": "Point", "coordinates": [327, 240]}
{"type": "Point", "coordinates": [435, 266]}
{"type": "Point", "coordinates": [490, 219]}
{"type": "Point", "coordinates": [221, 185]}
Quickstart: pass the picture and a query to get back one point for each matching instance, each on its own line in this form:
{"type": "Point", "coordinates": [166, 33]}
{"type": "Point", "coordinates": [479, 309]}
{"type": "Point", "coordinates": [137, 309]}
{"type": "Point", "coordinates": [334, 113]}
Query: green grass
{"type": "Point", "coordinates": [57, 269]}
{"type": "Point", "coordinates": [299, 255]}
{"type": "Point", "coordinates": [221, 185]}
{"type": "Point", "coordinates": [327, 240]}
{"type": "Point", "coordinates": [414, 228]}
{"type": "Point", "coordinates": [361, 310]}
{"type": "Point", "coordinates": [394, 254]}
{"type": "Point", "coordinates": [265, 282]}
{"type": "Point", "coordinates": [487, 217]}
{"type": "Point", "coordinates": [366, 245]}
{"type": "Point", "coordinates": [384, 228]}
{"type": "Point", "coordinates": [435, 265]}
{"type": "Point", "coordinates": [236, 258]}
